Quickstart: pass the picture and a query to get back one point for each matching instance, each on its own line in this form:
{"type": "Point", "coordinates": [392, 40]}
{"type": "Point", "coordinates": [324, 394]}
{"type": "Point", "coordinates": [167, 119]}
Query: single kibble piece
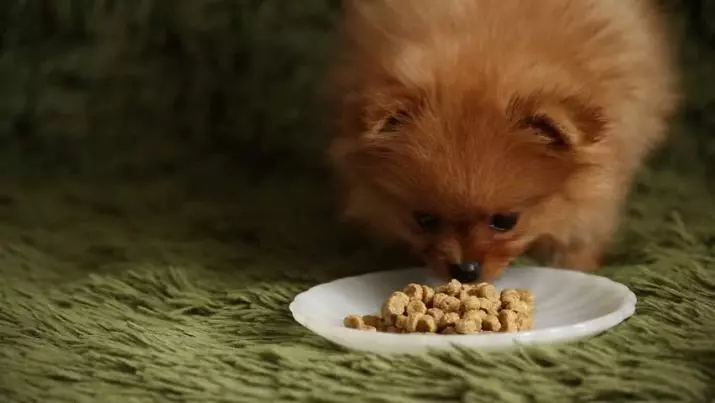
{"type": "Point", "coordinates": [414, 291]}
{"type": "Point", "coordinates": [466, 326]}
{"type": "Point", "coordinates": [507, 316]}
{"type": "Point", "coordinates": [526, 295]}
{"type": "Point", "coordinates": [400, 321]}
{"type": "Point", "coordinates": [475, 315]}
{"type": "Point", "coordinates": [438, 299]}
{"type": "Point", "coordinates": [471, 303]}
{"type": "Point", "coordinates": [492, 323]}
{"type": "Point", "coordinates": [416, 306]}
{"type": "Point", "coordinates": [525, 322]}
{"type": "Point", "coordinates": [471, 291]}
{"type": "Point", "coordinates": [399, 297]}
{"type": "Point", "coordinates": [426, 324]}
{"type": "Point", "coordinates": [508, 321]}
{"type": "Point", "coordinates": [395, 305]}
{"type": "Point", "coordinates": [449, 319]}
{"type": "Point", "coordinates": [489, 305]}
{"type": "Point", "coordinates": [517, 306]}
{"type": "Point", "coordinates": [508, 292]}
{"type": "Point", "coordinates": [487, 291]}
{"type": "Point", "coordinates": [452, 288]}
{"type": "Point", "coordinates": [509, 295]}
{"type": "Point", "coordinates": [372, 320]}
{"type": "Point", "coordinates": [412, 320]}
{"type": "Point", "coordinates": [427, 294]}
{"type": "Point", "coordinates": [450, 304]}
{"type": "Point", "coordinates": [353, 321]}
{"type": "Point", "coordinates": [436, 313]}
{"type": "Point", "coordinates": [509, 327]}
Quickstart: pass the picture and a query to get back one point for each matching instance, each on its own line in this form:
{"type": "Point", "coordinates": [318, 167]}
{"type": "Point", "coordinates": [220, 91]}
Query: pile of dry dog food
{"type": "Point", "coordinates": [453, 308]}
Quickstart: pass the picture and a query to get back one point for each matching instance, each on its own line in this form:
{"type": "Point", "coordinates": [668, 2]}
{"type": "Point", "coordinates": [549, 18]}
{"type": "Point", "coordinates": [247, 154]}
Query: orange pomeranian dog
{"type": "Point", "coordinates": [475, 131]}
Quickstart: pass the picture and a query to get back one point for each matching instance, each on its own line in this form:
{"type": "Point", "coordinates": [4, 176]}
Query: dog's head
{"type": "Point", "coordinates": [456, 156]}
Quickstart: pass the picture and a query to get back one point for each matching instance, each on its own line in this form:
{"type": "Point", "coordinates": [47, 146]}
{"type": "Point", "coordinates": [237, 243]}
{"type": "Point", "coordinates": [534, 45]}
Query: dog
{"type": "Point", "coordinates": [476, 131]}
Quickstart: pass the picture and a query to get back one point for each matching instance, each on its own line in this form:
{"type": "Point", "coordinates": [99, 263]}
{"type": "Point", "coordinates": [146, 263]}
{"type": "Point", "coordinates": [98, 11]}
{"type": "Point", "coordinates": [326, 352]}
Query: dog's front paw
{"type": "Point", "coordinates": [583, 257]}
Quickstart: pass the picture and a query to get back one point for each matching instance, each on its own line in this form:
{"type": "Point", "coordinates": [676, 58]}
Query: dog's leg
{"type": "Point", "coordinates": [573, 256]}
{"type": "Point", "coordinates": [579, 256]}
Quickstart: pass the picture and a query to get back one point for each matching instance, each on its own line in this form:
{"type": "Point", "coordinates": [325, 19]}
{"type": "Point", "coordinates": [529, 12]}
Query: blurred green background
{"type": "Point", "coordinates": [150, 87]}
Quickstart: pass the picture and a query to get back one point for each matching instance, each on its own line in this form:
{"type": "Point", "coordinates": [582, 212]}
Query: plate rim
{"type": "Point", "coordinates": [625, 309]}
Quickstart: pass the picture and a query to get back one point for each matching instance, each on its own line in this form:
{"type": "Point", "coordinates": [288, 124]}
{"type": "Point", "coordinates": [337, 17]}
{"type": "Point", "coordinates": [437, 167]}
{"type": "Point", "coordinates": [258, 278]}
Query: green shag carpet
{"type": "Point", "coordinates": [162, 200]}
{"type": "Point", "coordinates": [181, 294]}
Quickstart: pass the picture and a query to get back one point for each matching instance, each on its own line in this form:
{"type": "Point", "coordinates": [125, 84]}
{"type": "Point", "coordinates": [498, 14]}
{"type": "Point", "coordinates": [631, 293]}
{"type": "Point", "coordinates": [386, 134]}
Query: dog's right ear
{"type": "Point", "coordinates": [565, 124]}
{"type": "Point", "coordinates": [389, 124]}
{"type": "Point", "coordinates": [388, 110]}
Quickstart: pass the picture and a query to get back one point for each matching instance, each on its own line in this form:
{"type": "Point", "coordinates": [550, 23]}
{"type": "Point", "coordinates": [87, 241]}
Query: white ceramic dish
{"type": "Point", "coordinates": [569, 305]}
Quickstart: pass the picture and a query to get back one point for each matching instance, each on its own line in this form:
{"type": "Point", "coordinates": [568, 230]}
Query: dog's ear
{"type": "Point", "coordinates": [388, 110]}
{"type": "Point", "coordinates": [588, 121]}
{"type": "Point", "coordinates": [387, 122]}
{"type": "Point", "coordinates": [563, 124]}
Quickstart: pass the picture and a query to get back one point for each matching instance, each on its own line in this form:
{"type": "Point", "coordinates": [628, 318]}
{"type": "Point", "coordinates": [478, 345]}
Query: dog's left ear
{"type": "Point", "coordinates": [588, 121]}
{"type": "Point", "coordinates": [564, 124]}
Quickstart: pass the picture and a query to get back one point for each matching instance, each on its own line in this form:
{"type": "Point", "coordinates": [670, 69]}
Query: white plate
{"type": "Point", "coordinates": [568, 305]}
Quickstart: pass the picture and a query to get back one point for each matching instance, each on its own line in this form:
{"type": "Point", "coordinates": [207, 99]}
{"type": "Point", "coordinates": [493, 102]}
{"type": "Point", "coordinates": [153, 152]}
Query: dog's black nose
{"type": "Point", "coordinates": [466, 272]}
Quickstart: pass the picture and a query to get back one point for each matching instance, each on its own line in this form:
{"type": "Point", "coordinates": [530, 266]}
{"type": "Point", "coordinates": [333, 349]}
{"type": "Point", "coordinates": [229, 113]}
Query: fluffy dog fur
{"type": "Point", "coordinates": [462, 109]}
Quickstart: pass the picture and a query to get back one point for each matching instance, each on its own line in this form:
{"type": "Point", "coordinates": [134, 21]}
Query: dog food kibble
{"type": "Point", "coordinates": [526, 295]}
{"type": "Point", "coordinates": [438, 299]}
{"type": "Point", "coordinates": [525, 322]}
{"type": "Point", "coordinates": [412, 320]}
{"type": "Point", "coordinates": [414, 291]}
{"type": "Point", "coordinates": [357, 322]}
{"type": "Point", "coordinates": [449, 319]}
{"type": "Point", "coordinates": [453, 308]}
{"type": "Point", "coordinates": [471, 303]}
{"type": "Point", "coordinates": [466, 326]}
{"type": "Point", "coordinates": [510, 294]}
{"type": "Point", "coordinates": [353, 321]}
{"type": "Point", "coordinates": [452, 288]}
{"type": "Point", "coordinates": [488, 291]}
{"type": "Point", "coordinates": [372, 320]}
{"type": "Point", "coordinates": [426, 324]}
{"type": "Point", "coordinates": [475, 314]}
{"type": "Point", "coordinates": [400, 322]}
{"type": "Point", "coordinates": [449, 304]}
{"type": "Point", "coordinates": [416, 306]}
{"type": "Point", "coordinates": [517, 306]}
{"type": "Point", "coordinates": [508, 321]}
{"type": "Point", "coordinates": [492, 323]}
{"type": "Point", "coordinates": [489, 306]}
{"type": "Point", "coordinates": [427, 294]}
{"type": "Point", "coordinates": [436, 313]}
{"type": "Point", "coordinates": [395, 305]}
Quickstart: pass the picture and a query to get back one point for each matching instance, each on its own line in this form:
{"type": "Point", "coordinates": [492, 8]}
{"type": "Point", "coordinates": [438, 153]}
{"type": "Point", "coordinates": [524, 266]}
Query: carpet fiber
{"type": "Point", "coordinates": [166, 291]}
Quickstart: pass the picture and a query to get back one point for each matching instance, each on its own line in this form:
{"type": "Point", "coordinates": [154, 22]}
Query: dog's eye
{"type": "Point", "coordinates": [427, 222]}
{"type": "Point", "coordinates": [394, 122]}
{"type": "Point", "coordinates": [503, 222]}
{"type": "Point", "coordinates": [546, 128]}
